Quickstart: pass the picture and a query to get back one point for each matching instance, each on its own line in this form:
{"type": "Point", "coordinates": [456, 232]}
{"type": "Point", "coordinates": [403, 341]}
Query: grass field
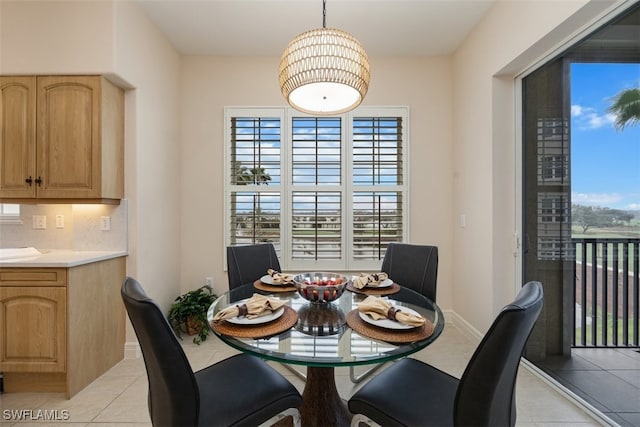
{"type": "Point", "coordinates": [630, 232]}
{"type": "Point", "coordinates": [626, 232]}
{"type": "Point", "coordinates": [599, 338]}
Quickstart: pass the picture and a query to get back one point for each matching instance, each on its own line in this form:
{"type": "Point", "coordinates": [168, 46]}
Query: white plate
{"type": "Point", "coordinates": [256, 320]}
{"type": "Point", "coordinates": [387, 323]}
{"type": "Point", "coordinates": [266, 279]}
{"type": "Point", "coordinates": [269, 281]}
{"type": "Point", "coordinates": [384, 284]}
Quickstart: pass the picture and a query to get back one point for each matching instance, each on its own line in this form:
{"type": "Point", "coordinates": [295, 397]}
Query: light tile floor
{"type": "Point", "coordinates": [607, 378]}
{"type": "Point", "coordinates": [119, 397]}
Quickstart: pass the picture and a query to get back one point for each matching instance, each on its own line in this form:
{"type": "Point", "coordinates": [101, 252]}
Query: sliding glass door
{"type": "Point", "coordinates": [581, 181]}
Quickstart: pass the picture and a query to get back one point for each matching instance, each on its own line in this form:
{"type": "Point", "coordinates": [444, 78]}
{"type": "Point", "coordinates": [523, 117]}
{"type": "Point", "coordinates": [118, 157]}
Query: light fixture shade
{"type": "Point", "coordinates": [324, 71]}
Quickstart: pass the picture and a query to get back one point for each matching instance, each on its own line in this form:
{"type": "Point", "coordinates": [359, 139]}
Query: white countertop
{"type": "Point", "coordinates": [60, 258]}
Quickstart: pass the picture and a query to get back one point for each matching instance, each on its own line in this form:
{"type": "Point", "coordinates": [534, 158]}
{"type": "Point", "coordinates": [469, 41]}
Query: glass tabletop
{"type": "Point", "coordinates": [321, 336]}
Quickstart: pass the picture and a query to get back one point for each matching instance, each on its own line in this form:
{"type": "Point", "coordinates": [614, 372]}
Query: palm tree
{"type": "Point", "coordinates": [260, 176]}
{"type": "Point", "coordinates": [626, 108]}
{"type": "Point", "coordinates": [242, 175]}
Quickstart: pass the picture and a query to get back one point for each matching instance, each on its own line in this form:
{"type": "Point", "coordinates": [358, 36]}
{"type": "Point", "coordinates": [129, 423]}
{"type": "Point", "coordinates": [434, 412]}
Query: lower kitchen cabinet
{"type": "Point", "coordinates": [60, 328]}
{"type": "Point", "coordinates": [34, 329]}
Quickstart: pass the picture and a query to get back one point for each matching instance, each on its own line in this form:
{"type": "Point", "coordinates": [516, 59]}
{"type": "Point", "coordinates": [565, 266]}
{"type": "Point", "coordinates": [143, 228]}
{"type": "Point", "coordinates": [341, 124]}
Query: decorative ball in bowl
{"type": "Point", "coordinates": [320, 287]}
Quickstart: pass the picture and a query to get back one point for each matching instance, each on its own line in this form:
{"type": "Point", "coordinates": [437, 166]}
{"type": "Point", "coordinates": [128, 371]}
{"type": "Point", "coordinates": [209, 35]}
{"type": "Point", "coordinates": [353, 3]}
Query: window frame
{"type": "Point", "coordinates": [9, 218]}
{"type": "Point", "coordinates": [347, 262]}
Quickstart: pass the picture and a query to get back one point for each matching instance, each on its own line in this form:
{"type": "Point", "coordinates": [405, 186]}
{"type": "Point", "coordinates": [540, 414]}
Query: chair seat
{"type": "Point", "coordinates": [245, 265]}
{"type": "Point", "coordinates": [399, 393]}
{"type": "Point", "coordinates": [411, 266]}
{"type": "Point", "coordinates": [239, 391]}
{"type": "Point", "coordinates": [246, 391]}
{"type": "Point", "coordinates": [414, 393]}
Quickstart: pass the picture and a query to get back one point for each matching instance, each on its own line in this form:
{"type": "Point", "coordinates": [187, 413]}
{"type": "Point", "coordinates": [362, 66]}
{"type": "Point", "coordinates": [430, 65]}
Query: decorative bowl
{"type": "Point", "coordinates": [320, 287]}
{"type": "Point", "coordinates": [320, 320]}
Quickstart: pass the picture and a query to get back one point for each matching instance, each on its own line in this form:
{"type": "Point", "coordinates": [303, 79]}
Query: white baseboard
{"type": "Point", "coordinates": [475, 336]}
{"type": "Point", "coordinates": [465, 327]}
{"type": "Point", "coordinates": [132, 350]}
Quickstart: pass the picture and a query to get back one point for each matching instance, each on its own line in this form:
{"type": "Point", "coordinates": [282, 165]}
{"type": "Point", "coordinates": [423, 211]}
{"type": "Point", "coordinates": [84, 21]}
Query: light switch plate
{"type": "Point", "coordinates": [105, 223]}
{"type": "Point", "coordinates": [39, 222]}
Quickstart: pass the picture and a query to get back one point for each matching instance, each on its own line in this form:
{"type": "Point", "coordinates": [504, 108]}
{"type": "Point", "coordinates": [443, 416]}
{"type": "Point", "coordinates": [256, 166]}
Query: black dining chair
{"type": "Point", "coordinates": [248, 263]}
{"type": "Point", "coordinates": [239, 391]}
{"type": "Point", "coordinates": [412, 393]}
{"type": "Point", "coordinates": [411, 266]}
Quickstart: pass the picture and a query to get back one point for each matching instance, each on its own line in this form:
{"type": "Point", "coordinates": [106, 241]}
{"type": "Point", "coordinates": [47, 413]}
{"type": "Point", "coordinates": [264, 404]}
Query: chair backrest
{"type": "Point", "coordinates": [246, 264]}
{"type": "Point", "coordinates": [413, 266]}
{"type": "Point", "coordinates": [486, 393]}
{"type": "Point", "coordinates": [174, 398]}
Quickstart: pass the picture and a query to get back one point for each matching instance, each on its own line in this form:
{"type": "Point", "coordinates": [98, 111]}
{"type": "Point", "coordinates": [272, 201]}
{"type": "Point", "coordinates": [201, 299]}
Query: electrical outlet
{"type": "Point", "coordinates": [105, 223]}
{"type": "Point", "coordinates": [208, 281]}
{"type": "Point", "coordinates": [39, 222]}
{"type": "Point", "coordinates": [59, 221]}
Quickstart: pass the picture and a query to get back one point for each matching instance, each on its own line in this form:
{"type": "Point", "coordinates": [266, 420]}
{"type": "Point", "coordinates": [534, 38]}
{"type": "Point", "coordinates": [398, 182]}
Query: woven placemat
{"type": "Point", "coordinates": [387, 290]}
{"type": "Point", "coordinates": [262, 330]}
{"type": "Point", "coordinates": [389, 335]}
{"type": "Point", "coordinates": [273, 288]}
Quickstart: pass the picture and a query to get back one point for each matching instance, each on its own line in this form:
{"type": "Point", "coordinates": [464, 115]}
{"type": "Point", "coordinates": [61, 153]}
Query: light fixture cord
{"type": "Point", "coordinates": [324, 13]}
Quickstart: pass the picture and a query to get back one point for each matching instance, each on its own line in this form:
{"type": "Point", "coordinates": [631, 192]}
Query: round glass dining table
{"type": "Point", "coordinates": [322, 340]}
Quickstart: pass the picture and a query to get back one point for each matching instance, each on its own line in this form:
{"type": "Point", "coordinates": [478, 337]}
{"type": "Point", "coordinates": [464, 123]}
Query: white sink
{"type": "Point", "coordinates": [11, 253]}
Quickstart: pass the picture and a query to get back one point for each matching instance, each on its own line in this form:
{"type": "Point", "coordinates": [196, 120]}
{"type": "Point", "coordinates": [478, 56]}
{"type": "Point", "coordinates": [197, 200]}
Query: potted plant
{"type": "Point", "coordinates": [188, 313]}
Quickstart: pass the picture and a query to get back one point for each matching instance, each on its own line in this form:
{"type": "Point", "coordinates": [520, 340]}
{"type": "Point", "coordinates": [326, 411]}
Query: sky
{"type": "Point", "coordinates": [605, 163]}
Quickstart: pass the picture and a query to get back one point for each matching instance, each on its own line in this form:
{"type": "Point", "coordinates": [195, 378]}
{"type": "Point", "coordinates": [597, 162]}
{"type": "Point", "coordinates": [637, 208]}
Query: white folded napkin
{"type": "Point", "coordinates": [278, 278]}
{"type": "Point", "coordinates": [256, 306]}
{"type": "Point", "coordinates": [369, 279]}
{"type": "Point", "coordinates": [379, 308]}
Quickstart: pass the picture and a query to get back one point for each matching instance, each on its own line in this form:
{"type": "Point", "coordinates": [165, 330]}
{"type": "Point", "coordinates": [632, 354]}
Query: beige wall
{"type": "Point", "coordinates": [56, 37]}
{"type": "Point", "coordinates": [462, 134]}
{"type": "Point", "coordinates": [511, 37]}
{"type": "Point", "coordinates": [115, 38]}
{"type": "Point", "coordinates": [208, 84]}
{"type": "Point", "coordinates": [144, 57]}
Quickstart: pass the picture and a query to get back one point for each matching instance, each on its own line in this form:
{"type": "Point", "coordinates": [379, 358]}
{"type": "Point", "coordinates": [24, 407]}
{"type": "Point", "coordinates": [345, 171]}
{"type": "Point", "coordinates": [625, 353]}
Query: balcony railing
{"type": "Point", "coordinates": [606, 293]}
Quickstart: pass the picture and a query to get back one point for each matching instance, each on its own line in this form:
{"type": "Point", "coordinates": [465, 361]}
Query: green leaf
{"type": "Point", "coordinates": [194, 304]}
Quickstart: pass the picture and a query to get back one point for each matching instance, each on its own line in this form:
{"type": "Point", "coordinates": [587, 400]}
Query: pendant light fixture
{"type": "Point", "coordinates": [324, 71]}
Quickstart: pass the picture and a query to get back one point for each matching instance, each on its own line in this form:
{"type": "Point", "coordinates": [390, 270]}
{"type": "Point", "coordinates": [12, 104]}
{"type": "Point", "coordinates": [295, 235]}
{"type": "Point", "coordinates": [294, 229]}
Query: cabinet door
{"type": "Point", "coordinates": [68, 143]}
{"type": "Point", "coordinates": [17, 136]}
{"type": "Point", "coordinates": [33, 331]}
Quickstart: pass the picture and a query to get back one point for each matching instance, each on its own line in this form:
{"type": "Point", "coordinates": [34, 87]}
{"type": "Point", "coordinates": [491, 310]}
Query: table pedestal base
{"type": "Point", "coordinates": [321, 403]}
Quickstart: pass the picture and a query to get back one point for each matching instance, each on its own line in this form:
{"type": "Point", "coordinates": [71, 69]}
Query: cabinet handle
{"type": "Point", "coordinates": [39, 181]}
{"type": "Point", "coordinates": [29, 181]}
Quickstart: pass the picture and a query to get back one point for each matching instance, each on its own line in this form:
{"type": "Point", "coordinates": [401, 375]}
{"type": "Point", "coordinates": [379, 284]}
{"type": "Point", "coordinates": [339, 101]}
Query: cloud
{"type": "Point", "coordinates": [576, 110]}
{"type": "Point", "coordinates": [607, 200]}
{"type": "Point", "coordinates": [595, 199]}
{"type": "Point", "coordinates": [587, 118]}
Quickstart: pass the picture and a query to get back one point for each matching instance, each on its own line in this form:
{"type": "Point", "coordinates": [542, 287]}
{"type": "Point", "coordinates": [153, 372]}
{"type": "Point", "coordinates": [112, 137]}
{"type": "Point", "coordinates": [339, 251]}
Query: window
{"type": "Point", "coordinates": [9, 213]}
{"type": "Point", "coordinates": [553, 215]}
{"type": "Point", "coordinates": [328, 192]}
{"type": "Point", "coordinates": [553, 161]}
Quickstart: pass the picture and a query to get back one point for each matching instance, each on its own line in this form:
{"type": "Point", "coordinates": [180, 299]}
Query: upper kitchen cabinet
{"type": "Point", "coordinates": [61, 139]}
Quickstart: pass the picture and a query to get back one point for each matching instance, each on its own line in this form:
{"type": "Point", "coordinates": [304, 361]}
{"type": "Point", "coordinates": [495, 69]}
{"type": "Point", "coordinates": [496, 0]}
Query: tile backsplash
{"type": "Point", "coordinates": [82, 228]}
